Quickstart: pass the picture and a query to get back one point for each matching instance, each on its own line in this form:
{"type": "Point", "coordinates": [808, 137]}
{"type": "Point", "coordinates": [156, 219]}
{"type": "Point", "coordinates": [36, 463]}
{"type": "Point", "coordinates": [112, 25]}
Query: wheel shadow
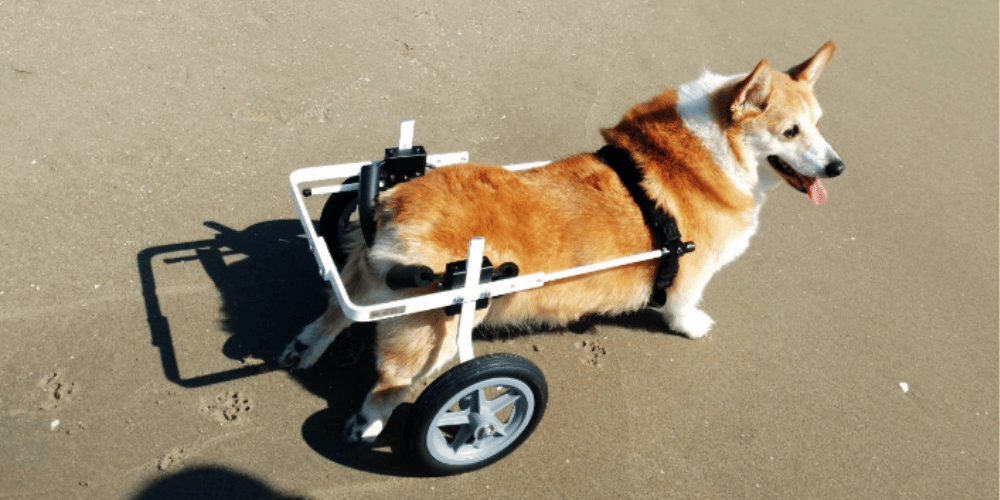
{"type": "Point", "coordinates": [342, 376]}
{"type": "Point", "coordinates": [389, 456]}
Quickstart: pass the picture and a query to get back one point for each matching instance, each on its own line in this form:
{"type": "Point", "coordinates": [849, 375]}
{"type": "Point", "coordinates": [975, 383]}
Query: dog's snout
{"type": "Point", "coordinates": [834, 168]}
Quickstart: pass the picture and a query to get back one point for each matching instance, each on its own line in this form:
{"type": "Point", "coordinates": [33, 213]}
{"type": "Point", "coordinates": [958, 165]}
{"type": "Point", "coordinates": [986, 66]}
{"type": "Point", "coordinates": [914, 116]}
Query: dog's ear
{"type": "Point", "coordinates": [752, 93]}
{"type": "Point", "coordinates": [810, 70]}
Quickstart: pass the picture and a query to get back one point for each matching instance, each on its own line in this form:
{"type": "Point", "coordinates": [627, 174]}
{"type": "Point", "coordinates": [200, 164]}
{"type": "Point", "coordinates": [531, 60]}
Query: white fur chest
{"type": "Point", "coordinates": [735, 245]}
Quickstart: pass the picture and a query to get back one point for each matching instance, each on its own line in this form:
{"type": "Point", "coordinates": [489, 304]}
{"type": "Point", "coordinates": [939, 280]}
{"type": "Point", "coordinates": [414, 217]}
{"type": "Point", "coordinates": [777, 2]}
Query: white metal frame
{"type": "Point", "coordinates": [466, 296]}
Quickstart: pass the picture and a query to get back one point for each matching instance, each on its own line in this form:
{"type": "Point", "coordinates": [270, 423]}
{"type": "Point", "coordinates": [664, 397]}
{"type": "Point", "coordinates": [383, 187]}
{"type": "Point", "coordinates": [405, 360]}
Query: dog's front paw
{"type": "Point", "coordinates": [291, 358]}
{"type": "Point", "coordinates": [692, 323]}
{"type": "Point", "coordinates": [359, 429]}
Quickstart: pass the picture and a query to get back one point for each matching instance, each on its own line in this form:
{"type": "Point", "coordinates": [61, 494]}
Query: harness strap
{"type": "Point", "coordinates": [662, 226]}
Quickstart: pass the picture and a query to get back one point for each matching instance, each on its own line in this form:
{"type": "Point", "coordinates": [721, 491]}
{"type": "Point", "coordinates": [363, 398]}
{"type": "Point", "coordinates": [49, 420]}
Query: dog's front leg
{"type": "Point", "coordinates": [681, 311]}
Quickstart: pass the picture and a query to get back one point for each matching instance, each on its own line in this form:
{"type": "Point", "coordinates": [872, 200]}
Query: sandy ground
{"type": "Point", "coordinates": [152, 263]}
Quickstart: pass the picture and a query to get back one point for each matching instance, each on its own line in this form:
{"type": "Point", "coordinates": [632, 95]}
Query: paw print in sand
{"type": "Point", "coordinates": [58, 390]}
{"type": "Point", "coordinates": [171, 458]}
{"type": "Point", "coordinates": [593, 352]}
{"type": "Point", "coordinates": [228, 407]}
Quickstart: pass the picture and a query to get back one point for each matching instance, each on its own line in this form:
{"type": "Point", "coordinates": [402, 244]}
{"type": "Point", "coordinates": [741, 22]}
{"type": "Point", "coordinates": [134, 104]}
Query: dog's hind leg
{"type": "Point", "coordinates": [306, 349]}
{"type": "Point", "coordinates": [408, 348]}
{"type": "Point", "coordinates": [308, 346]}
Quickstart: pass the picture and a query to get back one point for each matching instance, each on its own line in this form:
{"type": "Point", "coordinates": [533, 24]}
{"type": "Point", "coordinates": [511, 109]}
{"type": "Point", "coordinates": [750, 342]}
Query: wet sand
{"type": "Point", "coordinates": [152, 265]}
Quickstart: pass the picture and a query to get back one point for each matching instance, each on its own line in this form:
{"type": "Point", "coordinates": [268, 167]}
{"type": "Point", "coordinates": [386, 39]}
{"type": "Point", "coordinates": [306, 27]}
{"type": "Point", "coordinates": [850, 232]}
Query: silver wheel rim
{"type": "Point", "coordinates": [480, 421]}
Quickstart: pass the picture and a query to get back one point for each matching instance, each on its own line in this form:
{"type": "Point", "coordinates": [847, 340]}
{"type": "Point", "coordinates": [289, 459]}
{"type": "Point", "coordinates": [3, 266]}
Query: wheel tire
{"type": "Point", "coordinates": [333, 222]}
{"type": "Point", "coordinates": [476, 413]}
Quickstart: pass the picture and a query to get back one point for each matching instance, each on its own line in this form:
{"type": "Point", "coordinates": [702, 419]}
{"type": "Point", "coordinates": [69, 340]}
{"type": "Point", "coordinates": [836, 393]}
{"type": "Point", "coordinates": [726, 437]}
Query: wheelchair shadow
{"type": "Point", "coordinates": [270, 289]}
{"type": "Point", "coordinates": [268, 284]}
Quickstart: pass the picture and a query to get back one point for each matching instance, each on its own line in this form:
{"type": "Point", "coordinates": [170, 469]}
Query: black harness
{"type": "Point", "coordinates": [662, 227]}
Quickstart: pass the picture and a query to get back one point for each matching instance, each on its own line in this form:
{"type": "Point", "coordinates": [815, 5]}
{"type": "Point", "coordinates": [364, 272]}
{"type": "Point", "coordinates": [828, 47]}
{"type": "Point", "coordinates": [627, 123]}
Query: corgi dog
{"type": "Point", "coordinates": [708, 152]}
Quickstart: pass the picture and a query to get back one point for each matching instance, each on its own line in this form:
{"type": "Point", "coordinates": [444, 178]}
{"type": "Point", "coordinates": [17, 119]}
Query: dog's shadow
{"type": "Point", "coordinates": [270, 289]}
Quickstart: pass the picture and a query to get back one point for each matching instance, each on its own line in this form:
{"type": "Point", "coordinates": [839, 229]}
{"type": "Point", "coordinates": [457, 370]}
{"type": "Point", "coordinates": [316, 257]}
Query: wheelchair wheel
{"type": "Point", "coordinates": [476, 413]}
{"type": "Point", "coordinates": [335, 220]}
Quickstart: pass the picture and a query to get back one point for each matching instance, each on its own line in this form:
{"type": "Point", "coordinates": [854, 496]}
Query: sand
{"type": "Point", "coordinates": [152, 264]}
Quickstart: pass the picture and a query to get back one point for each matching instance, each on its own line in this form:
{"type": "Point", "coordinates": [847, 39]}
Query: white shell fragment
{"type": "Point", "coordinates": [905, 387]}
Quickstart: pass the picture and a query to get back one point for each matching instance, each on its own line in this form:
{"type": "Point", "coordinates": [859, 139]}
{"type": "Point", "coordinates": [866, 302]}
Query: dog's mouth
{"type": "Point", "coordinates": [812, 186]}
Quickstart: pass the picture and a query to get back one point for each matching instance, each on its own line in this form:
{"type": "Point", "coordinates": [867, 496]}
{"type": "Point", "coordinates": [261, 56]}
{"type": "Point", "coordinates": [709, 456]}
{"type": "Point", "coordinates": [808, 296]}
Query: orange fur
{"type": "Point", "coordinates": [566, 214]}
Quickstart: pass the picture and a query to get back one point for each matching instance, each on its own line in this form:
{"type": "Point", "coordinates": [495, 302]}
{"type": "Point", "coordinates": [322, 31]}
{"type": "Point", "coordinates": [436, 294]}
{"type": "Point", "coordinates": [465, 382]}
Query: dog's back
{"type": "Point", "coordinates": [566, 214]}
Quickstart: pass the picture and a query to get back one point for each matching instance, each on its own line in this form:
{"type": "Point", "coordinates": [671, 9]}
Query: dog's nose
{"type": "Point", "coordinates": [834, 168]}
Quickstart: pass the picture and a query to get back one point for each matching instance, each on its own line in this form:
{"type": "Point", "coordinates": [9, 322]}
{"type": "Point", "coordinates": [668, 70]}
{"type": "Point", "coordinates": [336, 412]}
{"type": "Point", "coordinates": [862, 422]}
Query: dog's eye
{"type": "Point", "coordinates": [792, 132]}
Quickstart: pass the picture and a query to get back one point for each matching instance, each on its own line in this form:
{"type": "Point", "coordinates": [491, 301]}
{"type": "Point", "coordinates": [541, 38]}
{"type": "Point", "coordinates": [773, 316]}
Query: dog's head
{"type": "Point", "coordinates": [777, 113]}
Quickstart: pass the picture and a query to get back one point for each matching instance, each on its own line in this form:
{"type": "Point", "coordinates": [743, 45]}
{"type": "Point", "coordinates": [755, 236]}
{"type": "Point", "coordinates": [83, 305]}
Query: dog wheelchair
{"type": "Point", "coordinates": [482, 409]}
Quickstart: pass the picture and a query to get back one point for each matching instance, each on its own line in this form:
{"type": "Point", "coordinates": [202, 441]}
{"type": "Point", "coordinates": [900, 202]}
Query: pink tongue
{"type": "Point", "coordinates": [817, 193]}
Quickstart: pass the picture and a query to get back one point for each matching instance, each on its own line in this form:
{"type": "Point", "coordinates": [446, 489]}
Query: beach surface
{"type": "Point", "coordinates": [153, 266]}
